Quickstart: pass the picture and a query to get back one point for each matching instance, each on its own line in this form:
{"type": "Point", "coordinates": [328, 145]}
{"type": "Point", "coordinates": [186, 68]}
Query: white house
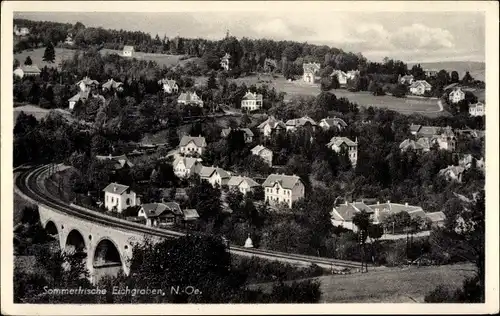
{"type": "Point", "coordinates": [430, 73]}
{"type": "Point", "coordinates": [118, 197]}
{"type": "Point", "coordinates": [341, 76]}
{"type": "Point", "coordinates": [476, 109]}
{"type": "Point", "coordinates": [184, 167]}
{"type": "Point", "coordinates": [27, 70]}
{"type": "Point", "coordinates": [112, 85]}
{"type": "Point", "coordinates": [339, 143]}
{"type": "Point", "coordinates": [406, 79]}
{"type": "Point", "coordinates": [224, 61]}
{"type": "Point", "coordinates": [251, 101]}
{"type": "Point", "coordinates": [446, 139]}
{"type": "Point", "coordinates": [169, 86]}
{"type": "Point", "coordinates": [242, 184]}
{"type": "Point", "coordinates": [310, 72]}
{"type": "Point", "coordinates": [21, 31]}
{"type": "Point", "coordinates": [303, 122]}
{"type": "Point", "coordinates": [128, 51]}
{"type": "Point", "coordinates": [270, 126]}
{"type": "Point", "coordinates": [190, 98]}
{"type": "Point", "coordinates": [190, 145]}
{"type": "Point", "coordinates": [457, 95]}
{"type": "Point", "coordinates": [281, 188]}
{"type": "Point", "coordinates": [452, 173]}
{"type": "Point", "coordinates": [342, 214]}
{"type": "Point", "coordinates": [382, 210]}
{"type": "Point", "coordinates": [328, 123]}
{"type": "Point", "coordinates": [264, 153]}
{"type": "Point", "coordinates": [215, 175]}
{"type": "Point", "coordinates": [420, 87]}
{"type": "Point", "coordinates": [69, 40]}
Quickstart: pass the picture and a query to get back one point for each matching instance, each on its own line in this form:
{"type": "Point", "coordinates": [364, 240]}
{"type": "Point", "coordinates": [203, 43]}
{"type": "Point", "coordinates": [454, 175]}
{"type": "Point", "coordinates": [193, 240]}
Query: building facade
{"type": "Point", "coordinates": [264, 153]}
{"type": "Point", "coordinates": [251, 101]}
{"type": "Point", "coordinates": [190, 145]}
{"type": "Point", "coordinates": [456, 95]}
{"type": "Point", "coordinates": [338, 144]}
{"type": "Point", "coordinates": [118, 197]}
{"type": "Point", "coordinates": [476, 109]}
{"type": "Point", "coordinates": [310, 72]}
{"type": "Point", "coordinates": [281, 188]}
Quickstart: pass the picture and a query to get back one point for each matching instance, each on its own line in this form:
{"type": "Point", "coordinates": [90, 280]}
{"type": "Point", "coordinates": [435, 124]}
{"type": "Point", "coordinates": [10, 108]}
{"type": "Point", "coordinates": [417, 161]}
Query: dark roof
{"type": "Point", "coordinates": [346, 211]}
{"type": "Point", "coordinates": [285, 181]}
{"type": "Point", "coordinates": [159, 209]}
{"type": "Point", "coordinates": [237, 180]}
{"type": "Point", "coordinates": [116, 188]}
{"type": "Point", "coordinates": [198, 141]}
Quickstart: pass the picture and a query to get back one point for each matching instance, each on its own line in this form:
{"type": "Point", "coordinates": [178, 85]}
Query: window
{"type": "Point", "coordinates": [127, 202]}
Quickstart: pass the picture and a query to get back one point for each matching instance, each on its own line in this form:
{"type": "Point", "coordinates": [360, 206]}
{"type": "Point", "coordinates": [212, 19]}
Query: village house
{"type": "Point", "coordinates": [467, 160]}
{"type": "Point", "coordinates": [382, 210]}
{"type": "Point", "coordinates": [328, 123]}
{"type": "Point", "coordinates": [190, 145]}
{"type": "Point", "coordinates": [444, 137]}
{"type": "Point", "coordinates": [437, 219]}
{"type": "Point", "coordinates": [341, 77]}
{"type": "Point", "coordinates": [27, 70]}
{"type": "Point", "coordinates": [224, 62]}
{"type": "Point", "coordinates": [242, 184]}
{"type": "Point", "coordinates": [343, 214]}
{"type": "Point", "coordinates": [214, 175]}
{"type": "Point", "coordinates": [112, 85]}
{"type": "Point", "coordinates": [69, 40]}
{"type": "Point", "coordinates": [310, 72]}
{"type": "Point", "coordinates": [251, 101]}
{"type": "Point", "coordinates": [119, 162]}
{"type": "Point", "coordinates": [264, 153]}
{"type": "Point", "coordinates": [456, 95]}
{"type": "Point", "coordinates": [452, 173]}
{"type": "Point", "coordinates": [247, 133]}
{"type": "Point", "coordinates": [21, 31]}
{"type": "Point", "coordinates": [406, 79]}
{"type": "Point", "coordinates": [118, 197]}
{"type": "Point", "coordinates": [420, 146]}
{"type": "Point", "coordinates": [420, 87]}
{"type": "Point", "coordinates": [303, 122]}
{"type": "Point", "coordinates": [184, 167]}
{"type": "Point", "coordinates": [160, 214]}
{"type": "Point", "coordinates": [271, 126]}
{"type": "Point", "coordinates": [339, 143]}
{"type": "Point", "coordinates": [476, 109]}
{"type": "Point", "coordinates": [128, 51]}
{"type": "Point", "coordinates": [168, 86]}
{"type": "Point", "coordinates": [190, 98]}
{"type": "Point", "coordinates": [281, 188]}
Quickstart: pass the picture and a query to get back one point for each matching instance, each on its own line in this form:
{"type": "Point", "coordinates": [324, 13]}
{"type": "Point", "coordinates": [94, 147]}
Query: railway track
{"type": "Point", "coordinates": [31, 184]}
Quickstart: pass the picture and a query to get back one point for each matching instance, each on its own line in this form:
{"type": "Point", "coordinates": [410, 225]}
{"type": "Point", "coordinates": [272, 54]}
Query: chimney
{"type": "Point", "coordinates": [388, 202]}
{"type": "Point", "coordinates": [114, 188]}
{"type": "Point", "coordinates": [406, 204]}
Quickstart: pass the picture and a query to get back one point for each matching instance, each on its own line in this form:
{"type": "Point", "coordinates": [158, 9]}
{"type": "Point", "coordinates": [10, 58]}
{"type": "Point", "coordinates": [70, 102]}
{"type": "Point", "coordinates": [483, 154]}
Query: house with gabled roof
{"type": "Point", "coordinates": [406, 79]}
{"type": "Point", "coordinates": [382, 210]}
{"type": "Point", "coordinates": [421, 145]}
{"type": "Point", "coordinates": [420, 87]}
{"type": "Point", "coordinates": [191, 145]}
{"type": "Point", "coordinates": [128, 51]}
{"type": "Point", "coordinates": [271, 126]}
{"type": "Point", "coordinates": [456, 95]}
{"type": "Point", "coordinates": [265, 153]}
{"type": "Point", "coordinates": [112, 85]}
{"type": "Point", "coordinates": [118, 197]}
{"type": "Point", "coordinates": [27, 70]}
{"type": "Point", "coordinates": [476, 109]}
{"type": "Point", "coordinates": [281, 188]}
{"type": "Point", "coordinates": [215, 175]}
{"type": "Point", "coordinates": [343, 214]}
{"type": "Point", "coordinates": [329, 122]}
{"type": "Point", "coordinates": [190, 98]}
{"type": "Point", "coordinates": [251, 101]}
{"type": "Point", "coordinates": [225, 61]}
{"type": "Point", "coordinates": [437, 219]}
{"type": "Point", "coordinates": [310, 72]}
{"type": "Point", "coordinates": [338, 143]}
{"type": "Point", "coordinates": [452, 173]}
{"type": "Point", "coordinates": [169, 86]}
{"type": "Point", "coordinates": [242, 184]}
{"type": "Point", "coordinates": [160, 214]}
{"type": "Point", "coordinates": [248, 134]}
{"type": "Point", "coordinates": [185, 167]}
{"type": "Point", "coordinates": [341, 76]}
{"type": "Point", "coordinates": [303, 122]}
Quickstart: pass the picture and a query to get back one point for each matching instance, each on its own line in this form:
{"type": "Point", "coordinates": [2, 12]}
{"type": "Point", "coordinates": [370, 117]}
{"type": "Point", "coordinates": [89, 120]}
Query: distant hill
{"type": "Point", "coordinates": [476, 69]}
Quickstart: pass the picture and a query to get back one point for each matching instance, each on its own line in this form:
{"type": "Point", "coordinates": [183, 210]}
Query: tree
{"type": "Point", "coordinates": [467, 78]}
{"type": "Point", "coordinates": [362, 220]}
{"type": "Point", "coordinates": [28, 61]}
{"type": "Point", "coordinates": [16, 63]}
{"type": "Point", "coordinates": [211, 82]}
{"type": "Point", "coordinates": [454, 77]}
{"type": "Point", "coordinates": [49, 55]}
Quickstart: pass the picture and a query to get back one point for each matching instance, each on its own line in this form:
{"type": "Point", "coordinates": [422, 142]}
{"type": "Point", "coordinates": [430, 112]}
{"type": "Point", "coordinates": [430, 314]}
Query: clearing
{"type": "Point", "coordinates": [64, 53]}
{"type": "Point", "coordinates": [38, 112]}
{"type": "Point", "coordinates": [406, 105]}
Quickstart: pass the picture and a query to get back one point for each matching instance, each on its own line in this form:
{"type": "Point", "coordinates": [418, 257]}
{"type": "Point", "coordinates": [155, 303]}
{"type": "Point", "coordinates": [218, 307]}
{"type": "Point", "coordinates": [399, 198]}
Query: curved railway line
{"type": "Point", "coordinates": [30, 183]}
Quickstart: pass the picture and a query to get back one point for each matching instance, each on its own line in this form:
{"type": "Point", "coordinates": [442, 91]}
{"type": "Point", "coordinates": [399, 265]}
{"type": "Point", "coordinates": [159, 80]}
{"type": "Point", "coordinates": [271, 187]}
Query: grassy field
{"type": "Point", "coordinates": [38, 112]}
{"type": "Point", "coordinates": [64, 53]}
{"type": "Point", "coordinates": [299, 88]}
{"type": "Point", "coordinates": [388, 285]}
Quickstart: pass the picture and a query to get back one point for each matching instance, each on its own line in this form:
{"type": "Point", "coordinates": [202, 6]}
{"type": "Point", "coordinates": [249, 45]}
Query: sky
{"type": "Point", "coordinates": [407, 36]}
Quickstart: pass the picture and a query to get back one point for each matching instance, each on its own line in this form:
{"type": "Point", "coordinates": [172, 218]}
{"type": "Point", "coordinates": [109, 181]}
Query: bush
{"type": "Point", "coordinates": [296, 292]}
{"type": "Point", "coordinates": [441, 294]}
